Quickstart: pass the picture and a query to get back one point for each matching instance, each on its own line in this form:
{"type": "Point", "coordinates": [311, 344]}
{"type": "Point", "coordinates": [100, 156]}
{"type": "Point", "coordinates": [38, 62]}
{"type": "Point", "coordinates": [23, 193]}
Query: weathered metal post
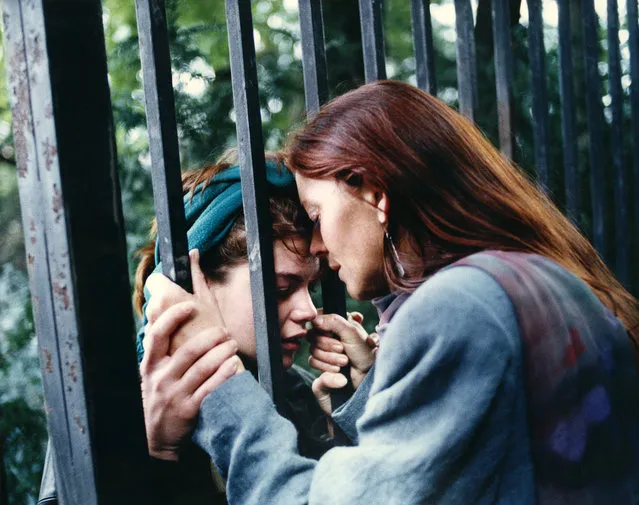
{"type": "Point", "coordinates": [76, 253]}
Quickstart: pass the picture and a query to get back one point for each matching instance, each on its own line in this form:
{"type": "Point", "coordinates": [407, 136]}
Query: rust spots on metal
{"type": "Point", "coordinates": [50, 152]}
{"type": "Point", "coordinates": [6, 20]}
{"type": "Point", "coordinates": [37, 53]}
{"type": "Point", "coordinates": [57, 202]}
{"type": "Point", "coordinates": [30, 259]}
{"type": "Point", "coordinates": [78, 422]}
{"type": "Point", "coordinates": [21, 114]}
{"type": "Point", "coordinates": [62, 292]}
{"type": "Point", "coordinates": [32, 229]}
{"type": "Point", "coordinates": [72, 371]}
{"type": "Point", "coordinates": [48, 367]}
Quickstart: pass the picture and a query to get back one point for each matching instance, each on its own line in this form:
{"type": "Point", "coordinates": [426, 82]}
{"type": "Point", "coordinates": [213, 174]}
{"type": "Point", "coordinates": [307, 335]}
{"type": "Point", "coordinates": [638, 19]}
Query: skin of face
{"type": "Point", "coordinates": [294, 274]}
{"type": "Point", "coordinates": [349, 232]}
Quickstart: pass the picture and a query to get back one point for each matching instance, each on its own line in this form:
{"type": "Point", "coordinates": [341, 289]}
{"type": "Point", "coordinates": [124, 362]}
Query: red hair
{"type": "Point", "coordinates": [451, 192]}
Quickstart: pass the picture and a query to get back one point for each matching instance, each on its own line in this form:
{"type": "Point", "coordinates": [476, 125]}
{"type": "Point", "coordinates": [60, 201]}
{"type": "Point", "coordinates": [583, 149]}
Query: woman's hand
{"type": "Point", "coordinates": [173, 387]}
{"type": "Point", "coordinates": [355, 346]}
{"type": "Point", "coordinates": [165, 294]}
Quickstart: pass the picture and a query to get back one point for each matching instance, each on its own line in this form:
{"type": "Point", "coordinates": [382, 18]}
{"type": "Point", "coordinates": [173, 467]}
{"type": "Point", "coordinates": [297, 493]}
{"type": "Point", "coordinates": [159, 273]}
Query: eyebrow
{"type": "Point", "coordinates": [298, 278]}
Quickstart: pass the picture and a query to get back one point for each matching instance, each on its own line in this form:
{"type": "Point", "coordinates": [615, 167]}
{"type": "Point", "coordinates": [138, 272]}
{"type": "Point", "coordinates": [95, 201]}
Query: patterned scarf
{"type": "Point", "coordinates": [581, 382]}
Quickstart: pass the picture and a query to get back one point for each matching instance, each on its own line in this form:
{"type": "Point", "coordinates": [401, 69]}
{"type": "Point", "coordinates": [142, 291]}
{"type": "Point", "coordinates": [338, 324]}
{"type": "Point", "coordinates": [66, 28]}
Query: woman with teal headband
{"type": "Point", "coordinates": [213, 210]}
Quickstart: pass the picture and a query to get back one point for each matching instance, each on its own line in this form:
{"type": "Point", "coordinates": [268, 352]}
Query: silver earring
{"type": "Point", "coordinates": [397, 263]}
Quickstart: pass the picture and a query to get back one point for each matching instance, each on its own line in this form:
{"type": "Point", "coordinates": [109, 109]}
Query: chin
{"type": "Point", "coordinates": [287, 361]}
{"type": "Point", "coordinates": [366, 291]}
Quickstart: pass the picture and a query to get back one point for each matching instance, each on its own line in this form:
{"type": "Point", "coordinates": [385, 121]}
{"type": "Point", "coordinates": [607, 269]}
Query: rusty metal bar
{"type": "Point", "coordinates": [371, 16]}
{"type": "Point", "coordinates": [621, 180]}
{"type": "Point", "coordinates": [466, 59]}
{"type": "Point", "coordinates": [632, 16]}
{"type": "Point", "coordinates": [163, 141]}
{"type": "Point", "coordinates": [76, 252]}
{"type": "Point", "coordinates": [539, 92]}
{"type": "Point", "coordinates": [254, 196]}
{"type": "Point", "coordinates": [313, 55]}
{"type": "Point", "coordinates": [503, 73]}
{"type": "Point", "coordinates": [423, 45]}
{"type": "Point", "coordinates": [595, 126]}
{"type": "Point", "coordinates": [568, 117]}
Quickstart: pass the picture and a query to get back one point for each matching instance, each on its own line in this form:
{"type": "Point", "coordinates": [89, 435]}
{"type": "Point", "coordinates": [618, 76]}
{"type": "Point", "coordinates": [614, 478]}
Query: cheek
{"type": "Point", "coordinates": [283, 312]}
{"type": "Point", "coordinates": [237, 311]}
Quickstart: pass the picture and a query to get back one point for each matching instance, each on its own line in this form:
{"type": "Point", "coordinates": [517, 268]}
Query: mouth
{"type": "Point", "coordinates": [293, 343]}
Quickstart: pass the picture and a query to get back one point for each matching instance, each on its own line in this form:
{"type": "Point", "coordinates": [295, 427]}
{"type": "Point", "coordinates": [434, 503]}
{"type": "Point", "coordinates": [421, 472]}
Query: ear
{"type": "Point", "coordinates": [379, 200]}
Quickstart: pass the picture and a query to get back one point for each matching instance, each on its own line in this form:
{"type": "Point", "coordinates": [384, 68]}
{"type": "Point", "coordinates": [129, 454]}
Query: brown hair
{"type": "Point", "coordinates": [451, 192]}
{"type": "Point", "coordinates": [287, 216]}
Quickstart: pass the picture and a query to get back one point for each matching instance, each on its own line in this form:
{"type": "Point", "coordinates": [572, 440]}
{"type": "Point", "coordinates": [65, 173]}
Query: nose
{"type": "Point", "coordinates": [317, 244]}
{"type": "Point", "coordinates": [304, 309]}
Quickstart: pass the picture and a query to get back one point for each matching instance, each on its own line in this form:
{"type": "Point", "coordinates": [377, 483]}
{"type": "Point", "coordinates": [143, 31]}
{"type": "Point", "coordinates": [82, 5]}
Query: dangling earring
{"type": "Point", "coordinates": [399, 268]}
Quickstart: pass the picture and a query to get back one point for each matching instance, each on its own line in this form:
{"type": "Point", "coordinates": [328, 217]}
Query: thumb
{"type": "Point", "coordinates": [201, 287]}
{"type": "Point", "coordinates": [322, 387]}
{"type": "Point", "coordinates": [199, 280]}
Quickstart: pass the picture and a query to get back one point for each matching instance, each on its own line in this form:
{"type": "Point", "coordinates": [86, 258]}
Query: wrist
{"type": "Point", "coordinates": [164, 454]}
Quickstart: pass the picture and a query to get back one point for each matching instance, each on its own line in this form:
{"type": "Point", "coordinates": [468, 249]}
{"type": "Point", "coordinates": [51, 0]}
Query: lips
{"type": "Point", "coordinates": [293, 343]}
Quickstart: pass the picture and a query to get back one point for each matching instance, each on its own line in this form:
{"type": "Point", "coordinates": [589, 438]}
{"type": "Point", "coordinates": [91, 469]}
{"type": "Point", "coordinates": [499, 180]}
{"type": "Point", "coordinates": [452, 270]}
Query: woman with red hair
{"type": "Point", "coordinates": [507, 365]}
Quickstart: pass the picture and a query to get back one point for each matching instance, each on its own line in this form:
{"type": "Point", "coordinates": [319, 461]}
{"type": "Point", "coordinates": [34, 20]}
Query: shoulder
{"type": "Point", "coordinates": [456, 295]}
{"type": "Point", "coordinates": [461, 309]}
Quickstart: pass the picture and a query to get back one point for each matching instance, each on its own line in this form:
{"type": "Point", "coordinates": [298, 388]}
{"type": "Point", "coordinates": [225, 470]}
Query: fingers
{"type": "Point", "coordinates": [322, 387]}
{"type": "Point", "coordinates": [346, 331]}
{"type": "Point", "coordinates": [330, 358]}
{"type": "Point", "coordinates": [326, 343]}
{"type": "Point", "coordinates": [328, 381]}
{"type": "Point", "coordinates": [358, 317]}
{"type": "Point", "coordinates": [157, 336]}
{"type": "Point", "coordinates": [164, 293]}
{"type": "Point", "coordinates": [322, 366]}
{"type": "Point", "coordinates": [199, 280]}
{"type": "Point", "coordinates": [202, 291]}
{"type": "Point", "coordinates": [207, 365]}
{"type": "Point", "coordinates": [225, 371]}
{"type": "Point", "coordinates": [194, 348]}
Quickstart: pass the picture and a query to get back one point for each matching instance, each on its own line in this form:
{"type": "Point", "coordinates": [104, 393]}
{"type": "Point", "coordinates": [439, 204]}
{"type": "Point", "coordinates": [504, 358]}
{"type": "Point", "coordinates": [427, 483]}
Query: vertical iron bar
{"type": "Point", "coordinates": [254, 195]}
{"type": "Point", "coordinates": [76, 252]}
{"type": "Point", "coordinates": [568, 119]}
{"type": "Point", "coordinates": [314, 55]}
{"type": "Point", "coordinates": [466, 59]}
{"type": "Point", "coordinates": [423, 44]}
{"type": "Point", "coordinates": [316, 92]}
{"type": "Point", "coordinates": [503, 73]}
{"type": "Point", "coordinates": [163, 141]}
{"type": "Point", "coordinates": [371, 20]}
{"type": "Point", "coordinates": [595, 128]}
{"type": "Point", "coordinates": [632, 16]}
{"type": "Point", "coordinates": [622, 203]}
{"type": "Point", "coordinates": [540, 96]}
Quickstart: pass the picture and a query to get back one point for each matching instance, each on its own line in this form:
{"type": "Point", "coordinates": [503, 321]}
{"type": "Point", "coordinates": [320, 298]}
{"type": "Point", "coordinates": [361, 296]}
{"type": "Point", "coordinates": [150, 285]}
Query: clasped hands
{"type": "Point", "coordinates": [188, 353]}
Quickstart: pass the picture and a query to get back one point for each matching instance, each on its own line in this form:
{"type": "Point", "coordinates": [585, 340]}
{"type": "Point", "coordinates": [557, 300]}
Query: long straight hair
{"type": "Point", "coordinates": [451, 192]}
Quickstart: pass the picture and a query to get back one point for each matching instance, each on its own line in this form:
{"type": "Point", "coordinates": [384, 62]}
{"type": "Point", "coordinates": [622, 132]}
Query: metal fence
{"type": "Point", "coordinates": [72, 216]}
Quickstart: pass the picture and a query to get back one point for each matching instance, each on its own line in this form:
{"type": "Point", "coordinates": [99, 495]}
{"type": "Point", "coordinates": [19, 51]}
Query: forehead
{"type": "Point", "coordinates": [312, 191]}
{"type": "Point", "coordinates": [293, 256]}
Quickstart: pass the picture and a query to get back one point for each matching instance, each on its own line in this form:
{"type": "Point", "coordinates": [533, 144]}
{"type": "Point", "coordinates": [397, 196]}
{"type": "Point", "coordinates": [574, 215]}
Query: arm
{"type": "Point", "coordinates": [434, 429]}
